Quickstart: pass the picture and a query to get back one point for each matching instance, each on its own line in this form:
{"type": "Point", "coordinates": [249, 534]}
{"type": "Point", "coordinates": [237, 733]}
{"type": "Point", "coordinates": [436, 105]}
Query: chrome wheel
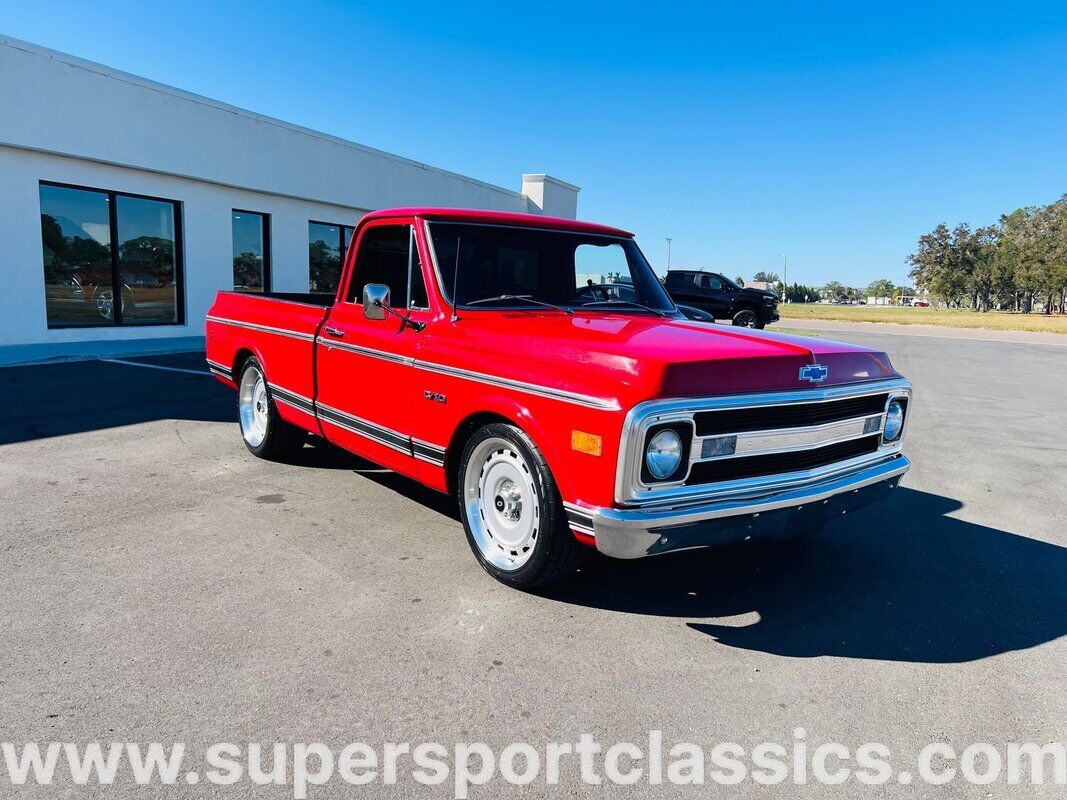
{"type": "Point", "coordinates": [105, 303]}
{"type": "Point", "coordinates": [502, 504]}
{"type": "Point", "coordinates": [253, 406]}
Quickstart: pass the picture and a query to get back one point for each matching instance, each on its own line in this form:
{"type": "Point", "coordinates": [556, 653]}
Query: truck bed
{"type": "Point", "coordinates": [279, 330]}
{"type": "Point", "coordinates": [305, 298]}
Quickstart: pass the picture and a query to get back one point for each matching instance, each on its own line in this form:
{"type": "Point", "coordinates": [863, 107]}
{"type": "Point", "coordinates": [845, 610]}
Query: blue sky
{"type": "Point", "coordinates": [836, 133]}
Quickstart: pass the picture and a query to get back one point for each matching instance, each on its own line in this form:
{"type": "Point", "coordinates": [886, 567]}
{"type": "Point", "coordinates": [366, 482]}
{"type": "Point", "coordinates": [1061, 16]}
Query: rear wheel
{"type": "Point", "coordinates": [512, 512]}
{"type": "Point", "coordinates": [747, 318]}
{"type": "Point", "coordinates": [265, 433]}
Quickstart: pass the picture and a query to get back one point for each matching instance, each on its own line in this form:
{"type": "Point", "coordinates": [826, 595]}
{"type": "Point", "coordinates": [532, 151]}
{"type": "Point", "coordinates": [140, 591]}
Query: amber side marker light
{"type": "Point", "coordinates": [584, 442]}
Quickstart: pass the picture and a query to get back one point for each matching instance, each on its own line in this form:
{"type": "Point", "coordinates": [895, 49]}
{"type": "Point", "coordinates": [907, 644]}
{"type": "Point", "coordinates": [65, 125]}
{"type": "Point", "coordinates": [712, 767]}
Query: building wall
{"type": "Point", "coordinates": [207, 238]}
{"type": "Point", "coordinates": [122, 133]}
{"type": "Point", "coordinates": [122, 119]}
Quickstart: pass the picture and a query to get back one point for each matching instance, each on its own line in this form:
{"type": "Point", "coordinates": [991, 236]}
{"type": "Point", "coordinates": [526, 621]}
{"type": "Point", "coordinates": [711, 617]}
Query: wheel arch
{"type": "Point", "coordinates": [244, 352]}
{"type": "Point", "coordinates": [509, 414]}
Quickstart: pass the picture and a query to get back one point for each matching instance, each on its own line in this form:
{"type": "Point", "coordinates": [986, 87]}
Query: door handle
{"type": "Point", "coordinates": [340, 334]}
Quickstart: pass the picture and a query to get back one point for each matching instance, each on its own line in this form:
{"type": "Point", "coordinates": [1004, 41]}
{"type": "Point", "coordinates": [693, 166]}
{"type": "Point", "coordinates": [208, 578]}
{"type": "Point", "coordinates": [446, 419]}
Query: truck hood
{"type": "Point", "coordinates": [758, 295]}
{"type": "Point", "coordinates": [639, 357]}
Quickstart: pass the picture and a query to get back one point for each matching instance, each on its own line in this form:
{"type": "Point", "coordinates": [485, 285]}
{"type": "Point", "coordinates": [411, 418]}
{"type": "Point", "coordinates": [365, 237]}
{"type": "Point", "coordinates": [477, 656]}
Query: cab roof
{"type": "Point", "coordinates": [495, 218]}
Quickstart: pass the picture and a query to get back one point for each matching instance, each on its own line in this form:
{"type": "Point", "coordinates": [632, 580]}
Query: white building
{"type": "Point", "coordinates": [113, 184]}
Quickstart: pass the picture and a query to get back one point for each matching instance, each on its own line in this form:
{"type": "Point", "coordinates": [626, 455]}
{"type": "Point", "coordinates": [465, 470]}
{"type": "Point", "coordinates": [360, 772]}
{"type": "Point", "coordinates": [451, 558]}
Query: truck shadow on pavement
{"type": "Point", "coordinates": [899, 581]}
{"type": "Point", "coordinates": [318, 454]}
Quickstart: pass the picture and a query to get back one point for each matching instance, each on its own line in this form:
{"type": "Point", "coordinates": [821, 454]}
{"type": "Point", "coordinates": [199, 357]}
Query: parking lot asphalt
{"type": "Point", "coordinates": [161, 584]}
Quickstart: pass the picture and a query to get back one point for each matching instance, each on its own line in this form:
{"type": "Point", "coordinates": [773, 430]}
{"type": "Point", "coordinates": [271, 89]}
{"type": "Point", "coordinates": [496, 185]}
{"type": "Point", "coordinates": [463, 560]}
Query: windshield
{"type": "Point", "coordinates": [730, 283]}
{"type": "Point", "coordinates": [566, 269]}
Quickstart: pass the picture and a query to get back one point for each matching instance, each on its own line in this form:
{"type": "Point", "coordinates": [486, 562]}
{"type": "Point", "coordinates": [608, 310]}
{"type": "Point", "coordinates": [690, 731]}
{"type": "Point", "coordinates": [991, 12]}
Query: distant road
{"type": "Point", "coordinates": [939, 317]}
{"type": "Point", "coordinates": [973, 334]}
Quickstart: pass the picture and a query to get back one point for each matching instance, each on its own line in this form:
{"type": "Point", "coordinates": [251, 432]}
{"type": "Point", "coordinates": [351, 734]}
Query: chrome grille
{"type": "Point", "coordinates": [736, 420]}
{"type": "Point", "coordinates": [731, 469]}
{"type": "Point", "coordinates": [740, 444]}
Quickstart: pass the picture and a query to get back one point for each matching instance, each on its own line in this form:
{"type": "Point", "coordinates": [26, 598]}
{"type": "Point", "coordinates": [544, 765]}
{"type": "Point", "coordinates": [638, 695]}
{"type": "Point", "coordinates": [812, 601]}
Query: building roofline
{"type": "Point", "coordinates": [541, 176]}
{"type": "Point", "coordinates": [145, 83]}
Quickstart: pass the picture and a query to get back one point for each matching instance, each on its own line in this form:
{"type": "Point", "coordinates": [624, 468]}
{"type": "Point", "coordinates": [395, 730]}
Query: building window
{"type": "Point", "coordinates": [327, 245]}
{"type": "Point", "coordinates": [251, 251]}
{"type": "Point", "coordinates": [89, 281]}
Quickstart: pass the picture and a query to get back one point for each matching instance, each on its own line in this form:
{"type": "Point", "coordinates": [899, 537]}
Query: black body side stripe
{"type": "Point", "coordinates": [428, 452]}
{"type": "Point", "coordinates": [579, 519]}
{"type": "Point", "coordinates": [364, 428]}
{"type": "Point", "coordinates": [297, 401]}
{"type": "Point", "coordinates": [219, 369]}
{"type": "Point", "coordinates": [424, 451]}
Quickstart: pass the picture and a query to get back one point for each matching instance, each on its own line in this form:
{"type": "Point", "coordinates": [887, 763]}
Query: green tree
{"type": "Point", "coordinates": [1033, 249]}
{"type": "Point", "coordinates": [882, 287]}
{"type": "Point", "coordinates": [941, 263]}
{"type": "Point", "coordinates": [766, 277]}
{"type": "Point", "coordinates": [798, 293]}
{"type": "Point", "coordinates": [982, 252]}
{"type": "Point", "coordinates": [835, 291]}
{"type": "Point", "coordinates": [248, 271]}
{"type": "Point", "coordinates": [325, 267]}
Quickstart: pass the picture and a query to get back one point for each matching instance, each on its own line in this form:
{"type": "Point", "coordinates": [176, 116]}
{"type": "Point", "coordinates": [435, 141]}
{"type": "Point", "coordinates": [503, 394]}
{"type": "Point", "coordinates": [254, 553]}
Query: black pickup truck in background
{"type": "Point", "coordinates": [722, 298]}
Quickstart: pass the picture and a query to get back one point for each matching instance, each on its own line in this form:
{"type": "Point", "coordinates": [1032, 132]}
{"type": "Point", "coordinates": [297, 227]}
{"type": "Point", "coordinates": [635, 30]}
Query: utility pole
{"type": "Point", "coordinates": [785, 275]}
{"type": "Point", "coordinates": [669, 240]}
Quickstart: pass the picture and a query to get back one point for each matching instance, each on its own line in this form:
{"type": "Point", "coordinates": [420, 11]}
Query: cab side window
{"type": "Point", "coordinates": [384, 256]}
{"type": "Point", "coordinates": [417, 298]}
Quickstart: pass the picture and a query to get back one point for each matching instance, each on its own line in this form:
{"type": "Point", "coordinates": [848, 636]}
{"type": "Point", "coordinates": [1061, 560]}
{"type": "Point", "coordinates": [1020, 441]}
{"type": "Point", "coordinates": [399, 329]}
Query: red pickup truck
{"type": "Point", "coordinates": [475, 352]}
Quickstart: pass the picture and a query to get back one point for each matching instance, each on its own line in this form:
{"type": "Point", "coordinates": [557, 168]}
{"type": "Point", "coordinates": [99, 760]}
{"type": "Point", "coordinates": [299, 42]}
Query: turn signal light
{"type": "Point", "coordinates": [583, 442]}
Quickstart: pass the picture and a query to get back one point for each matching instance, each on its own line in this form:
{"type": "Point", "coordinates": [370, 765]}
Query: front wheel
{"type": "Point", "coordinates": [512, 512]}
{"type": "Point", "coordinates": [747, 318]}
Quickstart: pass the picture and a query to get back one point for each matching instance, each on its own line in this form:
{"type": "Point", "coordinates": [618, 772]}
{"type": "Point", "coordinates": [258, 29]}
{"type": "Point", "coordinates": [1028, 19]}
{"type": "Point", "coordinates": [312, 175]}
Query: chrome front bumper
{"type": "Point", "coordinates": [639, 532]}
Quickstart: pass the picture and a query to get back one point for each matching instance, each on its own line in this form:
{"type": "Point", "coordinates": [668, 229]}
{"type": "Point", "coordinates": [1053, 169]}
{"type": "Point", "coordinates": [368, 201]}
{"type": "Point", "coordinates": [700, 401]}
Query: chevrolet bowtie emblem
{"type": "Point", "coordinates": [813, 372]}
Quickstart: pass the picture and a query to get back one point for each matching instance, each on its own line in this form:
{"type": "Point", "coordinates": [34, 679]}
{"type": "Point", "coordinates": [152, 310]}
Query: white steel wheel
{"type": "Point", "coordinates": [253, 406]}
{"type": "Point", "coordinates": [502, 504]}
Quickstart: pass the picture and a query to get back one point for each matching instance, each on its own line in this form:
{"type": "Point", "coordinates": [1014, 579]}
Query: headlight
{"type": "Point", "coordinates": [894, 422]}
{"type": "Point", "coordinates": [663, 454]}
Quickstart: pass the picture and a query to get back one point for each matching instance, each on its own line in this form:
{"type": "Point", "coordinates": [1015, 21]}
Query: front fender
{"type": "Point", "coordinates": [519, 414]}
{"type": "Point", "coordinates": [581, 477]}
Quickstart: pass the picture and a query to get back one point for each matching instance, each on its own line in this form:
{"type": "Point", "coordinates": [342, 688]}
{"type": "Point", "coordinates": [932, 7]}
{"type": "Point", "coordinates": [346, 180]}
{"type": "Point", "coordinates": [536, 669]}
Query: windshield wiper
{"type": "Point", "coordinates": [524, 297]}
{"type": "Point", "coordinates": [632, 303]}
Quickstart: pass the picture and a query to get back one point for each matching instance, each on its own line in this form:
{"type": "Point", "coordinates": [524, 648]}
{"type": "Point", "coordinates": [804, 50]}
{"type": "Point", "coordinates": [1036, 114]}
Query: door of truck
{"type": "Point", "coordinates": [365, 366]}
{"type": "Point", "coordinates": [718, 295]}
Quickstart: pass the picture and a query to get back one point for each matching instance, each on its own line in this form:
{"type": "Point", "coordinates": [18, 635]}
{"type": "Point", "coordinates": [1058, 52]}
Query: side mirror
{"type": "Point", "coordinates": [375, 299]}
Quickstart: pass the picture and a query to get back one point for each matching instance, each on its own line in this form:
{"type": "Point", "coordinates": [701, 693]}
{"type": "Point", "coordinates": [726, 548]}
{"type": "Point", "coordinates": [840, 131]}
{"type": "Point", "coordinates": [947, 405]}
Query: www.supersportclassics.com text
{"type": "Point", "coordinates": [585, 760]}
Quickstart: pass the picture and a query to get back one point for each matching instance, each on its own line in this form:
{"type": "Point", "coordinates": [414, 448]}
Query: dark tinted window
{"type": "Point", "coordinates": [147, 260]}
{"type": "Point", "coordinates": [251, 252]}
{"type": "Point", "coordinates": [324, 256]}
{"type": "Point", "coordinates": [327, 245]}
{"type": "Point", "coordinates": [710, 282]}
{"type": "Point", "coordinates": [76, 237]}
{"type": "Point", "coordinates": [383, 258]}
{"type": "Point", "coordinates": [551, 266]}
{"type": "Point", "coordinates": [83, 274]}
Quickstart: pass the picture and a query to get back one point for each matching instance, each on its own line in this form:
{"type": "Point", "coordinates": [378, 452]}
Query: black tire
{"type": "Point", "coordinates": [747, 318]}
{"type": "Point", "coordinates": [554, 553]}
{"type": "Point", "coordinates": [279, 438]}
